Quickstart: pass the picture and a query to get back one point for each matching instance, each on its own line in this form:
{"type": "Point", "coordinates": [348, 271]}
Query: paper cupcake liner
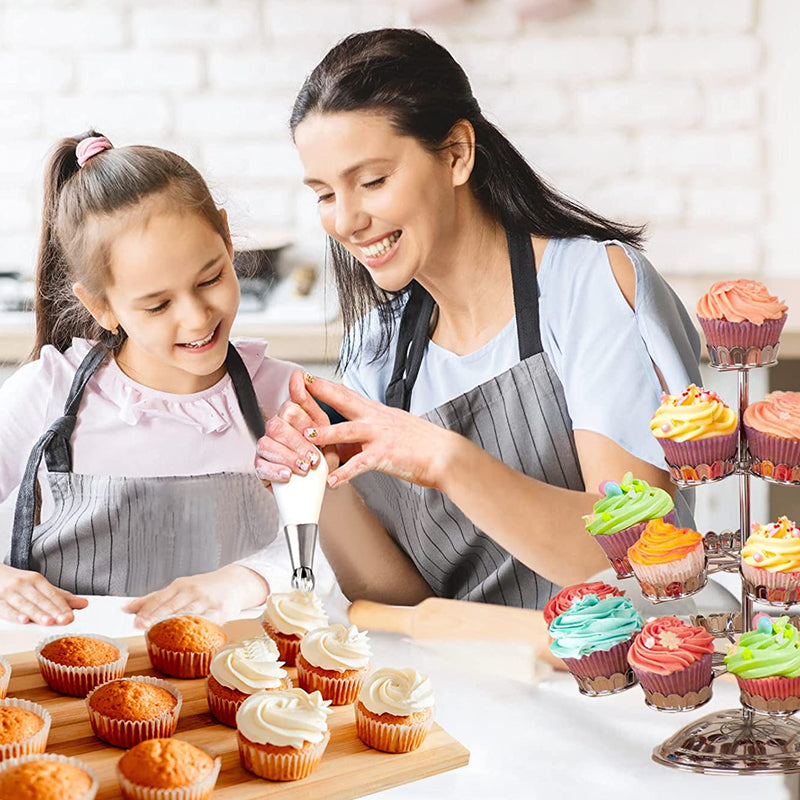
{"type": "Point", "coordinates": [779, 472]}
{"type": "Point", "coordinates": [604, 671]}
{"type": "Point", "coordinates": [391, 737]}
{"type": "Point", "coordinates": [680, 578]}
{"type": "Point", "coordinates": [90, 793]}
{"type": "Point", "coordinates": [773, 456]}
{"type": "Point", "coordinates": [224, 709]}
{"type": "Point", "coordinates": [736, 337]}
{"type": "Point", "coordinates": [5, 677]}
{"type": "Point", "coordinates": [604, 685]}
{"type": "Point", "coordinates": [79, 681]}
{"type": "Point", "coordinates": [775, 695]}
{"type": "Point", "coordinates": [179, 664]}
{"type": "Point", "coordinates": [289, 765]}
{"type": "Point", "coordinates": [199, 791]}
{"type": "Point", "coordinates": [773, 588]}
{"type": "Point", "coordinates": [125, 732]}
{"type": "Point", "coordinates": [615, 545]}
{"type": "Point", "coordinates": [712, 457]}
{"type": "Point", "coordinates": [288, 643]}
{"type": "Point", "coordinates": [678, 702]}
{"type": "Point", "coordinates": [33, 744]}
{"type": "Point", "coordinates": [341, 691]}
{"type": "Point", "coordinates": [693, 678]}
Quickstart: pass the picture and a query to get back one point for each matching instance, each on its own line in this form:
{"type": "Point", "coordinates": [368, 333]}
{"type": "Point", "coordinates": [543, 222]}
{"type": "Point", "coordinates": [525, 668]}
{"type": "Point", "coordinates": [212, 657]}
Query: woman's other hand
{"type": "Point", "coordinates": [27, 596]}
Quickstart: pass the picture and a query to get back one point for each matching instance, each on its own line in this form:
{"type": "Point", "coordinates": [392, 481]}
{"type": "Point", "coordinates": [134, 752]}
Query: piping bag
{"type": "Point", "coordinates": [299, 502]}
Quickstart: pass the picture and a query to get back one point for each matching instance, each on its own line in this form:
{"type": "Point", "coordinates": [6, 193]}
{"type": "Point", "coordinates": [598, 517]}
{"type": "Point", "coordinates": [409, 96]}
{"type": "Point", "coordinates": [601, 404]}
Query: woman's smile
{"type": "Point", "coordinates": [380, 251]}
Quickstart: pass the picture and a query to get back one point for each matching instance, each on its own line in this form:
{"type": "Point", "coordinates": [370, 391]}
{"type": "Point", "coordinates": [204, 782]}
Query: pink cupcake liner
{"type": "Point", "coordinates": [691, 679]}
{"type": "Point", "coordinates": [681, 578]}
{"type": "Point", "coordinates": [697, 452]}
{"type": "Point", "coordinates": [774, 695]}
{"type": "Point", "coordinates": [615, 545]}
{"type": "Point", "coordinates": [5, 677]}
{"type": "Point", "coordinates": [288, 644]}
{"type": "Point", "coordinates": [604, 671]}
{"type": "Point", "coordinates": [773, 588]}
{"type": "Point", "coordinates": [284, 766]}
{"type": "Point", "coordinates": [202, 790]}
{"type": "Point", "coordinates": [390, 737]}
{"type": "Point", "coordinates": [340, 691]}
{"type": "Point", "coordinates": [79, 681]}
{"type": "Point", "coordinates": [33, 744]}
{"type": "Point", "coordinates": [780, 457]}
{"type": "Point", "coordinates": [742, 335]}
{"type": "Point", "coordinates": [125, 732]}
{"type": "Point", "coordinates": [90, 793]}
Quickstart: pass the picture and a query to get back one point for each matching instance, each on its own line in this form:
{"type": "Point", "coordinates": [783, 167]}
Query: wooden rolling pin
{"type": "Point", "coordinates": [439, 618]}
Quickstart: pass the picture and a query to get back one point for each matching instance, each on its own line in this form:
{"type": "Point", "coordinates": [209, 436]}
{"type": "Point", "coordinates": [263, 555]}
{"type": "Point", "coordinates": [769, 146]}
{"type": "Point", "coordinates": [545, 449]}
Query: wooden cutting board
{"type": "Point", "coordinates": [348, 768]}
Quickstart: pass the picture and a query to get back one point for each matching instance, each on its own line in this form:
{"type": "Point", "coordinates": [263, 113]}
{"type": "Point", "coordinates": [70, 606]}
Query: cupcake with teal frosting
{"type": "Point", "coordinates": [593, 637]}
{"type": "Point", "coordinates": [619, 517]}
{"type": "Point", "coordinates": [766, 663]}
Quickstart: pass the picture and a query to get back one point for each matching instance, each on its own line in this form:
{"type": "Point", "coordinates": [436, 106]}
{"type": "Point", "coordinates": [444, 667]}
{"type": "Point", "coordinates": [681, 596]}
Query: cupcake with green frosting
{"type": "Point", "coordinates": [619, 517]}
{"type": "Point", "coordinates": [593, 637]}
{"type": "Point", "coordinates": [766, 663]}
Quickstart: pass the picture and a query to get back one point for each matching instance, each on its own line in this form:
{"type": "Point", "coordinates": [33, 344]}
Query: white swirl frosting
{"type": "Point", "coordinates": [295, 612]}
{"type": "Point", "coordinates": [400, 692]}
{"type": "Point", "coordinates": [249, 665]}
{"type": "Point", "coordinates": [284, 718]}
{"type": "Point", "coordinates": [336, 648]}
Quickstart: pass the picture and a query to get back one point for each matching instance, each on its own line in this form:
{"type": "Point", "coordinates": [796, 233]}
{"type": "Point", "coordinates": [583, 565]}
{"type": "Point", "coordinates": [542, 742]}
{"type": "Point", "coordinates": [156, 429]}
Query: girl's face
{"type": "Point", "coordinates": [383, 196]}
{"type": "Point", "coordinates": [174, 292]}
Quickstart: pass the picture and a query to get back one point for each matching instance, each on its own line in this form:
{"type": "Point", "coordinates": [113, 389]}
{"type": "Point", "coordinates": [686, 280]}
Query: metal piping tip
{"type": "Point", "coordinates": [302, 541]}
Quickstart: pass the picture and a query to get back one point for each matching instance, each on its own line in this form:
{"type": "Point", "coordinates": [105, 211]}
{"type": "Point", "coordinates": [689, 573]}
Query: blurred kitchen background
{"type": "Point", "coordinates": [680, 113]}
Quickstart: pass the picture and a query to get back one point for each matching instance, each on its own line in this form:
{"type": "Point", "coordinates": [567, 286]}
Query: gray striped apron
{"type": "Point", "coordinates": [131, 535]}
{"type": "Point", "coordinates": [520, 417]}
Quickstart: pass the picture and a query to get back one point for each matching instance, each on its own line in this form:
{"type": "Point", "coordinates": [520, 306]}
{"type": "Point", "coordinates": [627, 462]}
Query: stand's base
{"type": "Point", "coordinates": [734, 741]}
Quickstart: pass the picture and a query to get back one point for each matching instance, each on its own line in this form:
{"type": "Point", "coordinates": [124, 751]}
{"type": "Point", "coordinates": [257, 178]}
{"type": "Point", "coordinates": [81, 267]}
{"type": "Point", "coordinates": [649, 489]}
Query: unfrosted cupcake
{"type": "Point", "coordinates": [766, 663]}
{"type": "Point", "coordinates": [772, 427]}
{"type": "Point", "coordinates": [288, 617]}
{"type": "Point", "coordinates": [698, 434]}
{"type": "Point", "coordinates": [672, 662]}
{"type": "Point", "coordinates": [46, 776]}
{"type": "Point", "coordinates": [771, 562]}
{"type": "Point", "coordinates": [239, 670]}
{"type": "Point", "coordinates": [618, 518]}
{"type": "Point", "coordinates": [394, 711]}
{"type": "Point", "coordinates": [74, 665]}
{"type": "Point", "coordinates": [183, 645]}
{"type": "Point", "coordinates": [24, 728]}
{"type": "Point", "coordinates": [593, 638]}
{"type": "Point", "coordinates": [5, 676]}
{"type": "Point", "coordinates": [283, 734]}
{"type": "Point", "coordinates": [559, 603]}
{"type": "Point", "coordinates": [334, 661]}
{"type": "Point", "coordinates": [668, 562]}
{"type": "Point", "coordinates": [742, 322]}
{"type": "Point", "coordinates": [167, 769]}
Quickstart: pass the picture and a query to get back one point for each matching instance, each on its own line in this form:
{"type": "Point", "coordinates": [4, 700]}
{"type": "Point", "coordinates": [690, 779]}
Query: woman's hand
{"type": "Point", "coordinates": [283, 450]}
{"type": "Point", "coordinates": [386, 439]}
{"type": "Point", "coordinates": [27, 596]}
{"type": "Point", "coordinates": [219, 594]}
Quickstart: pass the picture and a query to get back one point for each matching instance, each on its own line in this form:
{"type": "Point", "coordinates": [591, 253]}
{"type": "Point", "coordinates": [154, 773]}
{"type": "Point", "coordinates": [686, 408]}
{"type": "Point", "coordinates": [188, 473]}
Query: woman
{"type": "Point", "coordinates": [505, 347]}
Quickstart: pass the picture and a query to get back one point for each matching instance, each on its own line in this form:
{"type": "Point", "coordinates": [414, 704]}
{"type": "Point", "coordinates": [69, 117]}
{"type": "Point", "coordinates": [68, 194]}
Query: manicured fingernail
{"type": "Point", "coordinates": [312, 457]}
{"type": "Point", "coordinates": [302, 464]}
{"type": "Point", "coordinates": [309, 378]}
{"type": "Point", "coordinates": [285, 474]}
{"type": "Point", "coordinates": [311, 433]}
{"type": "Point", "coordinates": [332, 481]}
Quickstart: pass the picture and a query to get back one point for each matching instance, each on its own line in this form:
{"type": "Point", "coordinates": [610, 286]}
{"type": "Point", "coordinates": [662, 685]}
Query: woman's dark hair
{"type": "Point", "coordinates": [424, 92]}
{"type": "Point", "coordinates": [84, 208]}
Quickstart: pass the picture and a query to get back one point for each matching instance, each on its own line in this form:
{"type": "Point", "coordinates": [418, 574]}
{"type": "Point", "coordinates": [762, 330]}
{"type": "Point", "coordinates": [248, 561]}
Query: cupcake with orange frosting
{"type": "Point", "coordinates": [569, 595]}
{"type": "Point", "coordinates": [772, 427]}
{"type": "Point", "coordinates": [698, 433]}
{"type": "Point", "coordinates": [771, 562]}
{"type": "Point", "coordinates": [672, 662]}
{"type": "Point", "coordinates": [742, 322]}
{"type": "Point", "coordinates": [668, 562]}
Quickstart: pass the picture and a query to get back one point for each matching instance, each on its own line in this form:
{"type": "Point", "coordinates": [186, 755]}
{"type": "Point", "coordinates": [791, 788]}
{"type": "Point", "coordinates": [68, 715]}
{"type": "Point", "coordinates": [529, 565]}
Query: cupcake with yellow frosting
{"type": "Point", "coordinates": [742, 322]}
{"type": "Point", "coordinates": [766, 663]}
{"type": "Point", "coordinates": [771, 562]}
{"type": "Point", "coordinates": [288, 617]}
{"type": "Point", "coordinates": [239, 670]}
{"type": "Point", "coordinates": [668, 562]}
{"type": "Point", "coordinates": [394, 711]}
{"type": "Point", "coordinates": [334, 661]}
{"type": "Point", "coordinates": [698, 433]}
{"type": "Point", "coordinates": [772, 427]}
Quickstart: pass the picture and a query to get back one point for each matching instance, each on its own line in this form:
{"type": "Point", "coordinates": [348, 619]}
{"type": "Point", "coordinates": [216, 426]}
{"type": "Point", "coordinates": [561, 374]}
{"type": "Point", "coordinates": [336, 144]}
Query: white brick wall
{"type": "Point", "coordinates": [674, 111]}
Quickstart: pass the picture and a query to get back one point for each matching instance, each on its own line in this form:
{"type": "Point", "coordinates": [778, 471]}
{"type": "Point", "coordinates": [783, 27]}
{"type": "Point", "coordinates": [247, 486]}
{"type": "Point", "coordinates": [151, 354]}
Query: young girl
{"type": "Point", "coordinates": [137, 417]}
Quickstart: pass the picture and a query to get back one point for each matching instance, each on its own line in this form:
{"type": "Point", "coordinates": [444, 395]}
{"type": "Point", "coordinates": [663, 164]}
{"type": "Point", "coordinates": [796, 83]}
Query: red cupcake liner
{"type": "Point", "coordinates": [742, 335]}
{"type": "Point", "coordinates": [774, 695]}
{"type": "Point", "coordinates": [615, 545]}
{"type": "Point", "coordinates": [690, 679]}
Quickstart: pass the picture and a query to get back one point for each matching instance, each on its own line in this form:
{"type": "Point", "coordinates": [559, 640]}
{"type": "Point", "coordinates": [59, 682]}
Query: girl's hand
{"type": "Point", "coordinates": [220, 594]}
{"type": "Point", "coordinates": [283, 450]}
{"type": "Point", "coordinates": [387, 439]}
{"type": "Point", "coordinates": [27, 596]}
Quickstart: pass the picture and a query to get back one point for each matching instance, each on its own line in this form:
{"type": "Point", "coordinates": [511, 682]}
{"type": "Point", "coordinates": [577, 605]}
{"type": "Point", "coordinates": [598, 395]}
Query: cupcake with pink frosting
{"type": "Point", "coordinates": [568, 596]}
{"type": "Point", "coordinates": [742, 322]}
{"type": "Point", "coordinates": [772, 427]}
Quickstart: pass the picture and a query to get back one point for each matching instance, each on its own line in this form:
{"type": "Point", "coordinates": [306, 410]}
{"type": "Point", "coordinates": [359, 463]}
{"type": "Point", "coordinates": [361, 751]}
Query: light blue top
{"type": "Point", "coordinates": [602, 350]}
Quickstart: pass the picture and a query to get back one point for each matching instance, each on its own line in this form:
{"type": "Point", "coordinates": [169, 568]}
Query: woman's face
{"type": "Point", "coordinates": [383, 196]}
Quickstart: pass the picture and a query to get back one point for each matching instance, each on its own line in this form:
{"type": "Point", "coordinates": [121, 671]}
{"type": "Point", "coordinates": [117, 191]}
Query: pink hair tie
{"type": "Point", "coordinates": [91, 146]}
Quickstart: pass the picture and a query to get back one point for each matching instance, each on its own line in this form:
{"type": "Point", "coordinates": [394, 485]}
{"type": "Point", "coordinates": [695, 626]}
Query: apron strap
{"type": "Point", "coordinates": [526, 293]}
{"type": "Point", "coordinates": [245, 393]}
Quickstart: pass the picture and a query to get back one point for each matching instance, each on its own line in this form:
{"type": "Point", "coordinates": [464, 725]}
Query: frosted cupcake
{"type": "Point", "coordinates": [239, 670]}
{"type": "Point", "coordinates": [772, 427]}
{"type": "Point", "coordinates": [771, 562]}
{"type": "Point", "coordinates": [593, 638]}
{"type": "Point", "coordinates": [288, 617]}
{"type": "Point", "coordinates": [742, 322]}
{"type": "Point", "coordinates": [672, 662]}
{"type": "Point", "coordinates": [558, 604]}
{"type": "Point", "coordinates": [283, 734]}
{"type": "Point", "coordinates": [618, 518]}
{"type": "Point", "coordinates": [394, 711]}
{"type": "Point", "coordinates": [668, 562]}
{"type": "Point", "coordinates": [766, 663]}
{"type": "Point", "coordinates": [698, 434]}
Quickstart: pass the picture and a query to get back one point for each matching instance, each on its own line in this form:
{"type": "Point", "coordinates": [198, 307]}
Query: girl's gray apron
{"type": "Point", "coordinates": [519, 417]}
{"type": "Point", "coordinates": [131, 536]}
